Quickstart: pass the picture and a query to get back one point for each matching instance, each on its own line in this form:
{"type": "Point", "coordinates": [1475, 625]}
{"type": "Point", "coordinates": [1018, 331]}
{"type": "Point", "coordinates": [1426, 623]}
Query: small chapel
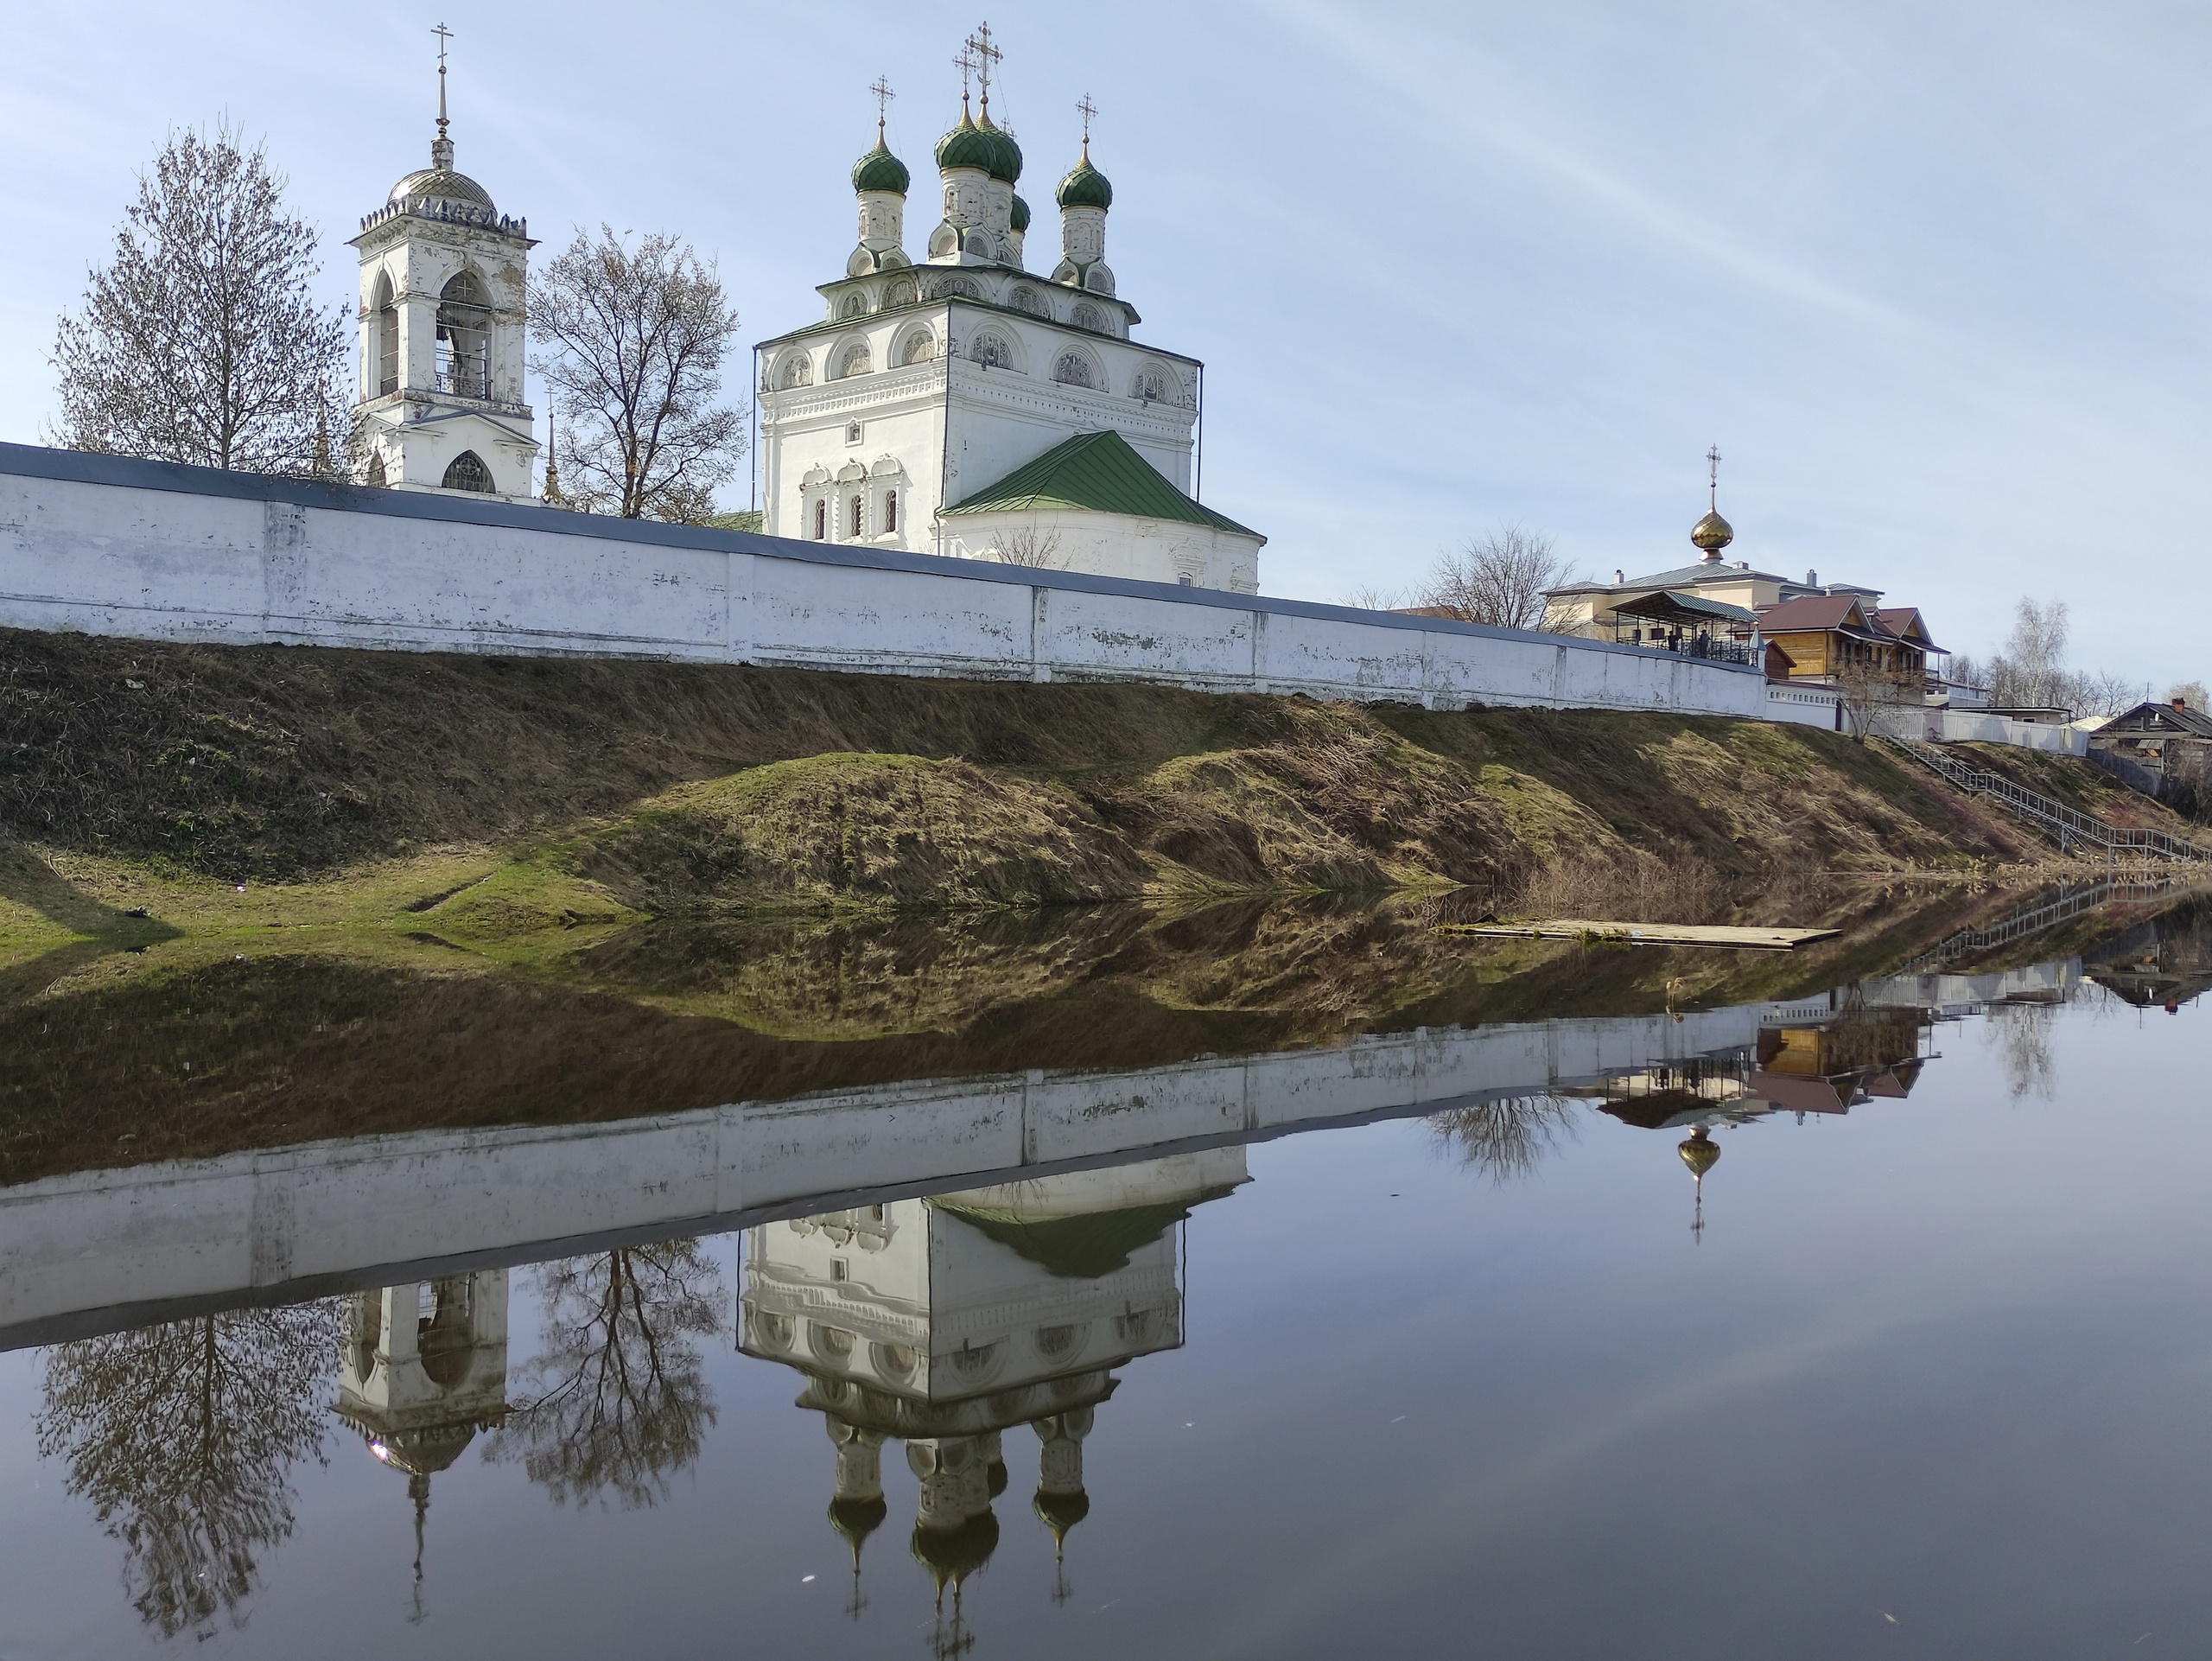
{"type": "Point", "coordinates": [963, 405]}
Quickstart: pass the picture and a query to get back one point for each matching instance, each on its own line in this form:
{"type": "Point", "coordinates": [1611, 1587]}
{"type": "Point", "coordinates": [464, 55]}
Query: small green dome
{"type": "Point", "coordinates": [880, 170]}
{"type": "Point", "coordinates": [968, 146]}
{"type": "Point", "coordinates": [1086, 186]}
{"type": "Point", "coordinates": [1020, 219]}
{"type": "Point", "coordinates": [1008, 165]}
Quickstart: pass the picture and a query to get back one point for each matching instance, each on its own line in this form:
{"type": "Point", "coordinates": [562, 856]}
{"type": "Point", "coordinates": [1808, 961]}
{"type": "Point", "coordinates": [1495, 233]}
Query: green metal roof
{"type": "Point", "coordinates": [1094, 473]}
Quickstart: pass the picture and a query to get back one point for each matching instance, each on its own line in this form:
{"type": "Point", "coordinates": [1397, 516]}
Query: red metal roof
{"type": "Point", "coordinates": [1816, 614]}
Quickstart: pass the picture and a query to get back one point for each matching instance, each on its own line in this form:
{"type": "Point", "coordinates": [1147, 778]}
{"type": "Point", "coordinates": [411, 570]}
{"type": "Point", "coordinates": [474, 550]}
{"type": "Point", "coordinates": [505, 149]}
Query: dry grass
{"type": "Point", "coordinates": [1631, 887]}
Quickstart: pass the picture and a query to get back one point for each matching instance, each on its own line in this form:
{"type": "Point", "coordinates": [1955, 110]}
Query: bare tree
{"type": "Point", "coordinates": [1499, 579]}
{"type": "Point", "coordinates": [2031, 669]}
{"type": "Point", "coordinates": [1509, 1138]}
{"type": "Point", "coordinates": [1877, 693]}
{"type": "Point", "coordinates": [202, 340]}
{"type": "Point", "coordinates": [1027, 545]}
{"type": "Point", "coordinates": [619, 1398]}
{"type": "Point", "coordinates": [183, 1438]}
{"type": "Point", "coordinates": [1368, 597]}
{"type": "Point", "coordinates": [636, 338]}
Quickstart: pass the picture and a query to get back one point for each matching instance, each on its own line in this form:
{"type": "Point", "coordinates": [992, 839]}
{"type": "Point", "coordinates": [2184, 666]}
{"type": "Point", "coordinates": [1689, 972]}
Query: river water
{"type": "Point", "coordinates": [1348, 1334]}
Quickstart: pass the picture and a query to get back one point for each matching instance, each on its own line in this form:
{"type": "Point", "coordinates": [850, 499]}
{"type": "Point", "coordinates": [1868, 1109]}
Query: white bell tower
{"type": "Point", "coordinates": [444, 277]}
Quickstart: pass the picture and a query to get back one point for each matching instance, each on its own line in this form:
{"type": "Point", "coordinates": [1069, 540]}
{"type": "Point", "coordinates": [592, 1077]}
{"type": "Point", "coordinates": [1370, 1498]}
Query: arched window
{"type": "Point", "coordinates": [465, 337]}
{"type": "Point", "coordinates": [992, 352]}
{"type": "Point", "coordinates": [386, 324]}
{"type": "Point", "coordinates": [890, 511]}
{"type": "Point", "coordinates": [822, 521]}
{"type": "Point", "coordinates": [376, 472]}
{"type": "Point", "coordinates": [856, 518]}
{"type": "Point", "coordinates": [922, 348]}
{"type": "Point", "coordinates": [1028, 300]}
{"type": "Point", "coordinates": [1151, 385]}
{"type": "Point", "coordinates": [1089, 317]}
{"type": "Point", "coordinates": [901, 293]}
{"type": "Point", "coordinates": [854, 361]}
{"type": "Point", "coordinates": [1072, 369]}
{"type": "Point", "coordinates": [468, 473]}
{"type": "Point", "coordinates": [799, 371]}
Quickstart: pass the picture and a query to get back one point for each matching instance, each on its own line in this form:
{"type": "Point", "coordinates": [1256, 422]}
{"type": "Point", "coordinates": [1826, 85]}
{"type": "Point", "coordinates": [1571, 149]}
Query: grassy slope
{"type": "Point", "coordinates": [278, 765]}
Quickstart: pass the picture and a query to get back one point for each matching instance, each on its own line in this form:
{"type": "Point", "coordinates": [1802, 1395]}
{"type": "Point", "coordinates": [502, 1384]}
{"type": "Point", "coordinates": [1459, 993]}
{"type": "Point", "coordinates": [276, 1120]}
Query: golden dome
{"type": "Point", "coordinates": [1712, 533]}
{"type": "Point", "coordinates": [1700, 1152]}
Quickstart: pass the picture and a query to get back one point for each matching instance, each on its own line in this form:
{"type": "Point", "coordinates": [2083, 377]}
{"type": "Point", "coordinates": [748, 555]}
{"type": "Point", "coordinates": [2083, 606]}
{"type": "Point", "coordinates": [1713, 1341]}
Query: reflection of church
{"type": "Point", "coordinates": [1823, 1056]}
{"type": "Point", "coordinates": [944, 1322]}
{"type": "Point", "coordinates": [424, 1368]}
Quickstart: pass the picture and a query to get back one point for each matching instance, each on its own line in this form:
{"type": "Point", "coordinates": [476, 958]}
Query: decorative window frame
{"type": "Point", "coordinates": [1094, 366]}
{"type": "Point", "coordinates": [793, 370]}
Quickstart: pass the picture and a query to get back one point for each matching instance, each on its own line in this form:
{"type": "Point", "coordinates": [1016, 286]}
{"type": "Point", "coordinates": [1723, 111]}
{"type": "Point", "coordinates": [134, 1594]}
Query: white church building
{"type": "Point", "coordinates": [965, 405]}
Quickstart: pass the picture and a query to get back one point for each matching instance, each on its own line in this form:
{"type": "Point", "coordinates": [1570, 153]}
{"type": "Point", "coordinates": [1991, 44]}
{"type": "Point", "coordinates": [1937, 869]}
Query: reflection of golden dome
{"type": "Point", "coordinates": [952, 1554]}
{"type": "Point", "coordinates": [1700, 1152]}
{"type": "Point", "coordinates": [1712, 533]}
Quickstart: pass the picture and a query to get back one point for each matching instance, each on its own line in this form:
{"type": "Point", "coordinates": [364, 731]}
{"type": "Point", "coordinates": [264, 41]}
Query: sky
{"type": "Point", "coordinates": [1933, 277]}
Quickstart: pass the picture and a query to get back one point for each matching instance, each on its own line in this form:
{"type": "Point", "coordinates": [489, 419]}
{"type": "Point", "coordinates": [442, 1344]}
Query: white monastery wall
{"type": "Point", "coordinates": [149, 550]}
{"type": "Point", "coordinates": [370, 1210]}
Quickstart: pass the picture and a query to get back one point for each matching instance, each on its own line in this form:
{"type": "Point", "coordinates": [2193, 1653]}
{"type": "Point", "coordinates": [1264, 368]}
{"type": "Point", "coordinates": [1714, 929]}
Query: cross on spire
{"type": "Point", "coordinates": [1089, 111]}
{"type": "Point", "coordinates": [881, 89]}
{"type": "Point", "coordinates": [441, 150]}
{"type": "Point", "coordinates": [986, 56]}
{"type": "Point", "coordinates": [1712, 466]}
{"type": "Point", "coordinates": [965, 63]}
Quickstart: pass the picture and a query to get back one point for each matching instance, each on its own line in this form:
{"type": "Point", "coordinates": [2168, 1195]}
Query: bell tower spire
{"type": "Point", "coordinates": [442, 146]}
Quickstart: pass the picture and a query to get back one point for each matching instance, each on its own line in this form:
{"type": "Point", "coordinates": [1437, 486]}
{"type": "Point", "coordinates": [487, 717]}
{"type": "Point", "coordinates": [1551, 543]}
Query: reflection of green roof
{"type": "Point", "coordinates": [1096, 472]}
{"type": "Point", "coordinates": [1084, 1247]}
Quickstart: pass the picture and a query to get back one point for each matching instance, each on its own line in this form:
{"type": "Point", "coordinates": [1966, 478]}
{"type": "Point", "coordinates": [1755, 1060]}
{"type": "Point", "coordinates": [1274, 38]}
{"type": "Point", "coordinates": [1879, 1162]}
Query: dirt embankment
{"type": "Point", "coordinates": [684, 787]}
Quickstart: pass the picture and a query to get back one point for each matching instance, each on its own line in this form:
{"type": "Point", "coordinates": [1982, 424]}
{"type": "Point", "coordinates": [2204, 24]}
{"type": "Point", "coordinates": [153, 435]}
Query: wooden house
{"type": "Point", "coordinates": [1820, 637]}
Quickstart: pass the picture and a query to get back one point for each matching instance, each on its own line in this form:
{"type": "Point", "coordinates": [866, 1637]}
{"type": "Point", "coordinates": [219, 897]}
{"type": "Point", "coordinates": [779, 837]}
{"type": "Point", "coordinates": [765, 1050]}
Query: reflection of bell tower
{"type": "Point", "coordinates": [424, 1368]}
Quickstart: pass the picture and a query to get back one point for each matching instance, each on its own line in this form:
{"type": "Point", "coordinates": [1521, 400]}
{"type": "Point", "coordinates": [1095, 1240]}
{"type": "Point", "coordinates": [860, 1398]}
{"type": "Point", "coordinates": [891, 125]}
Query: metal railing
{"type": "Point", "coordinates": [2061, 907]}
{"type": "Point", "coordinates": [1699, 645]}
{"type": "Point", "coordinates": [2068, 826]}
{"type": "Point", "coordinates": [469, 380]}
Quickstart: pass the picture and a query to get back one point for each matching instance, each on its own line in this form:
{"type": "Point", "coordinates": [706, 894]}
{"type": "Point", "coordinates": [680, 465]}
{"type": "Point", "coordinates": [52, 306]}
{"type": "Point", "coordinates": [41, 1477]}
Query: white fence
{"type": "Point", "coordinates": [147, 549]}
{"type": "Point", "coordinates": [1969, 726]}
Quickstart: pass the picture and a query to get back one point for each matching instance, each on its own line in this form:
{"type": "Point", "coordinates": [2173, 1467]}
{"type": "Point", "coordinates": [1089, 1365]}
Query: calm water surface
{"type": "Point", "coordinates": [1426, 1337]}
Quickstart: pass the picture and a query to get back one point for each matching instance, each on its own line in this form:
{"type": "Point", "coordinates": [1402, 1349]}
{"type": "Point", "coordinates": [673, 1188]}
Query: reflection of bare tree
{"type": "Point", "coordinates": [182, 1438]}
{"type": "Point", "coordinates": [1508, 1138]}
{"type": "Point", "coordinates": [2021, 1033]}
{"type": "Point", "coordinates": [616, 1399]}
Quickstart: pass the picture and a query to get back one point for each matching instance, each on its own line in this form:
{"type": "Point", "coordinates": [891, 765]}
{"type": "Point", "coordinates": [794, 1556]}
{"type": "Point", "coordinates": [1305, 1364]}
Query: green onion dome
{"type": "Point", "coordinates": [1020, 219]}
{"type": "Point", "coordinates": [880, 170]}
{"type": "Point", "coordinates": [968, 146]}
{"type": "Point", "coordinates": [1085, 187]}
{"type": "Point", "coordinates": [1008, 164]}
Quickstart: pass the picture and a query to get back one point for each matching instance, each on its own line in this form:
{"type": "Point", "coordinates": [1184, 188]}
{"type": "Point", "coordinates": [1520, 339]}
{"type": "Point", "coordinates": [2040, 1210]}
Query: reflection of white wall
{"type": "Point", "coordinates": [76, 1244]}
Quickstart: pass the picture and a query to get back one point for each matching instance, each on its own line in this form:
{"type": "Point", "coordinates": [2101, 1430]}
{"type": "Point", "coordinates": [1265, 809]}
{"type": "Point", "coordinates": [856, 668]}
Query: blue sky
{"type": "Point", "coordinates": [1934, 277]}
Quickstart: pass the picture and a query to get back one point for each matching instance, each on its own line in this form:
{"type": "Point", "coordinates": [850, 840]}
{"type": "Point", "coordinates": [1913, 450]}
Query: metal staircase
{"type": "Point", "coordinates": [2069, 827]}
{"type": "Point", "coordinates": [2047, 913]}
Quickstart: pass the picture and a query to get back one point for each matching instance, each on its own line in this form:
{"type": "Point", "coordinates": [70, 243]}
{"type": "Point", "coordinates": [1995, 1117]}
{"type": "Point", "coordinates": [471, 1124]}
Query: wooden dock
{"type": "Point", "coordinates": [1578, 928]}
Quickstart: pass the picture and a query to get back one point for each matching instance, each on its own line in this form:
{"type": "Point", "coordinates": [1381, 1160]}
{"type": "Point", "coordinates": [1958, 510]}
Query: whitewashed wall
{"type": "Point", "coordinates": [1969, 726]}
{"type": "Point", "coordinates": [77, 1253]}
{"type": "Point", "coordinates": [149, 550]}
